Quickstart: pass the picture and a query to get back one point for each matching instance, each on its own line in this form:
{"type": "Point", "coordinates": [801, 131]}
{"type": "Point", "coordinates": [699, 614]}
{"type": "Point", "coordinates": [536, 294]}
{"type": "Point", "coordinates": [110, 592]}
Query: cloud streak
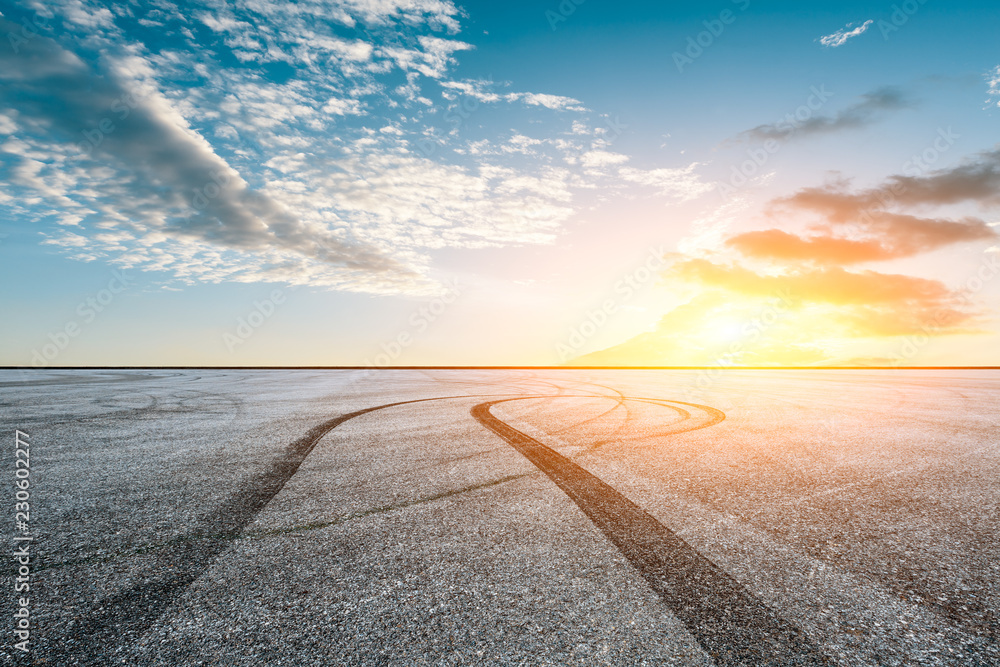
{"type": "Point", "coordinates": [840, 37]}
{"type": "Point", "coordinates": [780, 245]}
{"type": "Point", "coordinates": [870, 109]}
{"type": "Point", "coordinates": [993, 83]}
{"type": "Point", "coordinates": [889, 235]}
{"type": "Point", "coordinates": [169, 162]}
{"type": "Point", "coordinates": [831, 285]}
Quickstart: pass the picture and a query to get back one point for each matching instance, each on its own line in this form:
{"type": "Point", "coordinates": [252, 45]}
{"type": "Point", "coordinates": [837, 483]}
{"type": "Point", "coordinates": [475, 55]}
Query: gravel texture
{"type": "Point", "coordinates": [521, 517]}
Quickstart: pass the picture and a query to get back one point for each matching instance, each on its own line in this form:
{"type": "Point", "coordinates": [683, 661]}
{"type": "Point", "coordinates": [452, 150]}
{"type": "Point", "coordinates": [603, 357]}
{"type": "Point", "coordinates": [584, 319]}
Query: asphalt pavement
{"type": "Point", "coordinates": [513, 517]}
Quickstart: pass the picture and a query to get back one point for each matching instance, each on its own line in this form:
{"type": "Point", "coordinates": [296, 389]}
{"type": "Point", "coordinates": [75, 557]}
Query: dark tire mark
{"type": "Point", "coordinates": [732, 625]}
{"type": "Point", "coordinates": [124, 617]}
{"type": "Point", "coordinates": [684, 414]}
{"type": "Point", "coordinates": [619, 403]}
{"type": "Point", "coordinates": [735, 627]}
{"type": "Point", "coordinates": [683, 426]}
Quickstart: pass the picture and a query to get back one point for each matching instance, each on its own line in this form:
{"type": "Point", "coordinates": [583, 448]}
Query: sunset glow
{"type": "Point", "coordinates": [468, 184]}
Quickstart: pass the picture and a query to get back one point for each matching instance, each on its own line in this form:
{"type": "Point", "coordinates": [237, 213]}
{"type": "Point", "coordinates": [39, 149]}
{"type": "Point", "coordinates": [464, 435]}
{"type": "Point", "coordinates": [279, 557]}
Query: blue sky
{"type": "Point", "coordinates": [601, 182]}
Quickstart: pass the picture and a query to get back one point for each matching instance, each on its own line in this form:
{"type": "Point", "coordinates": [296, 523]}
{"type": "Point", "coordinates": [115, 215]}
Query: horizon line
{"type": "Point", "coordinates": [496, 367]}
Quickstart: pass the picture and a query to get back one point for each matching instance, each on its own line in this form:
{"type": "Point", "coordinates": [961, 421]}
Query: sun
{"type": "Point", "coordinates": [721, 329]}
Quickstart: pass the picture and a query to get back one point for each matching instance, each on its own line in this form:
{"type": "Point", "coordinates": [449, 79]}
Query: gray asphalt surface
{"type": "Point", "coordinates": [509, 517]}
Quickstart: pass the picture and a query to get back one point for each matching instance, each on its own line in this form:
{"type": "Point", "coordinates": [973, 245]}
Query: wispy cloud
{"type": "Point", "coordinates": [874, 225]}
{"type": "Point", "coordinates": [781, 245]}
{"type": "Point", "coordinates": [865, 112]}
{"type": "Point", "coordinates": [547, 101]}
{"type": "Point", "coordinates": [993, 83]}
{"type": "Point", "coordinates": [187, 189]}
{"type": "Point", "coordinates": [680, 184]}
{"type": "Point", "coordinates": [976, 180]}
{"type": "Point", "coordinates": [267, 145]}
{"type": "Point", "coordinates": [483, 91]}
{"type": "Point", "coordinates": [897, 236]}
{"type": "Point", "coordinates": [841, 36]}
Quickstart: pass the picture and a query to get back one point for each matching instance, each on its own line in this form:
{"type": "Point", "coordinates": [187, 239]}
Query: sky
{"type": "Point", "coordinates": [422, 182]}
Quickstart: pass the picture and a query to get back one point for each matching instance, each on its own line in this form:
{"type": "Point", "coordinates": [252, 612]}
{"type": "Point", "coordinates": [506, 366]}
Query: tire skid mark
{"type": "Point", "coordinates": [732, 625]}
{"type": "Point", "coordinates": [735, 627]}
{"type": "Point", "coordinates": [299, 528]}
{"type": "Point", "coordinates": [684, 414]}
{"type": "Point", "coordinates": [683, 426]}
{"type": "Point", "coordinates": [127, 615]}
{"type": "Point", "coordinates": [619, 402]}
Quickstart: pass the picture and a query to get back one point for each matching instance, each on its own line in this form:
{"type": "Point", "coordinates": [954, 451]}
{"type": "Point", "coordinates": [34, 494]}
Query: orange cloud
{"type": "Point", "coordinates": [780, 245]}
{"type": "Point", "coordinates": [748, 318]}
{"type": "Point", "coordinates": [976, 180]}
{"type": "Point", "coordinates": [892, 235]}
{"type": "Point", "coordinates": [868, 210]}
{"type": "Point", "coordinates": [904, 321]}
{"type": "Point", "coordinates": [885, 235]}
{"type": "Point", "coordinates": [855, 304]}
{"type": "Point", "coordinates": [828, 285]}
{"type": "Point", "coordinates": [741, 316]}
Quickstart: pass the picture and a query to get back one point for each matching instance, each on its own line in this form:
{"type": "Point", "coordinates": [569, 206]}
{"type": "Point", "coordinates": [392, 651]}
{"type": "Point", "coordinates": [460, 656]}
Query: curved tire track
{"type": "Point", "coordinates": [733, 626]}
{"type": "Point", "coordinates": [124, 617]}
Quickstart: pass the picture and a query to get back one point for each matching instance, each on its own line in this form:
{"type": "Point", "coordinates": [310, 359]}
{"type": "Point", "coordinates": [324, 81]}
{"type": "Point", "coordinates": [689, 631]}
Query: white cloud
{"type": "Point", "coordinates": [435, 12]}
{"type": "Point", "coordinates": [224, 24]}
{"type": "Point", "coordinates": [597, 159]}
{"type": "Point", "coordinates": [474, 89]}
{"type": "Point", "coordinates": [413, 204]}
{"type": "Point", "coordinates": [171, 179]}
{"type": "Point", "coordinates": [88, 17]}
{"type": "Point", "coordinates": [993, 82]}
{"type": "Point", "coordinates": [341, 107]}
{"type": "Point", "coordinates": [520, 143]}
{"type": "Point", "coordinates": [841, 36]}
{"type": "Point", "coordinates": [355, 51]}
{"type": "Point", "coordinates": [309, 194]}
{"type": "Point", "coordinates": [432, 61]}
{"type": "Point", "coordinates": [480, 91]}
{"type": "Point", "coordinates": [678, 184]}
{"type": "Point", "coordinates": [7, 123]}
{"type": "Point", "coordinates": [548, 101]}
